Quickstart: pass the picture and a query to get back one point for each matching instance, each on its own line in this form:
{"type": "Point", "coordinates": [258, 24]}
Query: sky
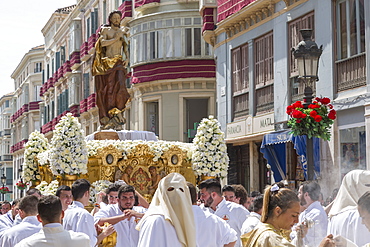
{"type": "Point", "coordinates": [22, 21]}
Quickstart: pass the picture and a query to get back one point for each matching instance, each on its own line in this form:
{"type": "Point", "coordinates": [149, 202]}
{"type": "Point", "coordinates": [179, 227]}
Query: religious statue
{"type": "Point", "coordinates": [109, 68]}
{"type": "Point", "coordinates": [155, 178]}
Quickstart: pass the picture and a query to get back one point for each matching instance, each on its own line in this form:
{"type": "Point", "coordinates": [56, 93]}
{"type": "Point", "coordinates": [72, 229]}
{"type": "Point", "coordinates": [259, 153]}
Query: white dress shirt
{"type": "Point", "coordinates": [156, 231]}
{"type": "Point", "coordinates": [29, 226]}
{"type": "Point", "coordinates": [317, 232]}
{"type": "Point", "coordinates": [53, 235]}
{"type": "Point", "coordinates": [211, 231]}
{"type": "Point", "coordinates": [251, 222]}
{"type": "Point", "coordinates": [127, 235]}
{"type": "Point", "coordinates": [234, 214]}
{"type": "Point", "coordinates": [6, 221]}
{"type": "Point", "coordinates": [78, 219]}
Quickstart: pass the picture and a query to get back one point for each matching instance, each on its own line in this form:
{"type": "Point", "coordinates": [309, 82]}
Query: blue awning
{"type": "Point", "coordinates": [274, 150]}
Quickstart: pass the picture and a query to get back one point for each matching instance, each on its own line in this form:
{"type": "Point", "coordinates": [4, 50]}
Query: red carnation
{"type": "Point", "coordinates": [325, 100]}
{"type": "Point", "coordinates": [297, 114]}
{"type": "Point", "coordinates": [298, 104]}
{"type": "Point", "coordinates": [298, 120]}
{"type": "Point", "coordinates": [313, 113]}
{"type": "Point", "coordinates": [318, 118]}
{"type": "Point", "coordinates": [313, 106]}
{"type": "Point", "coordinates": [330, 106]}
{"type": "Point", "coordinates": [289, 109]}
{"type": "Point", "coordinates": [332, 114]}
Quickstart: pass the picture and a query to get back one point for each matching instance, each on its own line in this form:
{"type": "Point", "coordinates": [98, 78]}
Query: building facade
{"type": "Point", "coordinates": [25, 102]}
{"type": "Point", "coordinates": [257, 80]}
{"type": "Point", "coordinates": [6, 161]}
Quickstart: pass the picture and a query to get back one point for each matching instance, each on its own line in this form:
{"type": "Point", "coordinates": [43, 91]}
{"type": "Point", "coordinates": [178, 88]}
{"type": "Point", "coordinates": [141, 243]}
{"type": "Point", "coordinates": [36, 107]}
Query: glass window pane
{"type": "Point", "coordinates": [169, 42]}
{"type": "Point", "coordinates": [353, 27]}
{"type": "Point", "coordinates": [197, 21]}
{"type": "Point", "coordinates": [206, 49]}
{"type": "Point", "coordinates": [145, 26]}
{"type": "Point", "coordinates": [160, 44]}
{"type": "Point", "coordinates": [152, 25]}
{"type": "Point", "coordinates": [197, 42]}
{"type": "Point", "coordinates": [188, 42]}
{"type": "Point", "coordinates": [343, 30]}
{"type": "Point", "coordinates": [177, 22]}
{"type": "Point", "coordinates": [169, 23]}
{"type": "Point", "coordinates": [177, 42]}
{"type": "Point", "coordinates": [145, 46]}
{"type": "Point", "coordinates": [159, 24]}
{"type": "Point", "coordinates": [187, 21]}
{"type": "Point", "coordinates": [152, 45]}
{"type": "Point", "coordinates": [362, 25]}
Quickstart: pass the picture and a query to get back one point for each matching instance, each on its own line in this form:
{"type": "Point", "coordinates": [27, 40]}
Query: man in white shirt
{"type": "Point", "coordinates": [254, 218]}
{"type": "Point", "coordinates": [5, 207]}
{"type": "Point", "coordinates": [7, 220]}
{"type": "Point", "coordinates": [313, 217]}
{"type": "Point", "coordinates": [52, 234]}
{"type": "Point", "coordinates": [77, 218]}
{"type": "Point", "coordinates": [234, 214]}
{"type": "Point", "coordinates": [211, 231]}
{"type": "Point", "coordinates": [28, 226]}
{"type": "Point", "coordinates": [64, 193]}
{"type": "Point", "coordinates": [123, 215]}
{"type": "Point", "coordinates": [169, 221]}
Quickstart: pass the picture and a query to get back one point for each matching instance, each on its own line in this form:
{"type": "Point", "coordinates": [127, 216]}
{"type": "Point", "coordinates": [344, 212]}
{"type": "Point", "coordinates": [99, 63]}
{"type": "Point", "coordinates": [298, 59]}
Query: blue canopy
{"type": "Point", "coordinates": [274, 150]}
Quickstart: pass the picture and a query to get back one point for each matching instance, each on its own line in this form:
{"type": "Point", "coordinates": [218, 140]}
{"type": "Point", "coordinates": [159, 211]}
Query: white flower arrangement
{"type": "Point", "coordinates": [209, 156]}
{"type": "Point", "coordinates": [68, 152]}
{"type": "Point", "coordinates": [37, 143]}
{"type": "Point", "coordinates": [48, 189]}
{"type": "Point", "coordinates": [96, 187]}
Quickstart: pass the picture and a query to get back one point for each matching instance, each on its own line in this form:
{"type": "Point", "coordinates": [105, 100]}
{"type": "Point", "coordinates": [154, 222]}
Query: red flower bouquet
{"type": "Point", "coordinates": [4, 190]}
{"type": "Point", "coordinates": [315, 121]}
{"type": "Point", "coordinates": [21, 186]}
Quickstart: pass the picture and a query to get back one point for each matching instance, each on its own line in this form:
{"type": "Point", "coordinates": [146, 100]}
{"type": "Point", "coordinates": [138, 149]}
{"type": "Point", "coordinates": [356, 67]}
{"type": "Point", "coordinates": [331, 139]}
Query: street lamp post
{"type": "Point", "coordinates": [307, 54]}
{"type": "Point", "coordinates": [3, 181]}
{"type": "Point", "coordinates": [20, 179]}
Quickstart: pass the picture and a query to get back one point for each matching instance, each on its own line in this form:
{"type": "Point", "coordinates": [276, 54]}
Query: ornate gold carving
{"type": "Point", "coordinates": [109, 157]}
{"type": "Point", "coordinates": [271, 7]}
{"type": "Point", "coordinates": [248, 21]}
{"type": "Point", "coordinates": [254, 18]}
{"type": "Point", "coordinates": [286, 2]}
{"type": "Point", "coordinates": [265, 11]}
{"type": "Point", "coordinates": [259, 15]}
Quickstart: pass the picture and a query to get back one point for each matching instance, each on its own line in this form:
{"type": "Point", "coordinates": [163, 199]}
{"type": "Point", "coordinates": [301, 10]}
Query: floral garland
{"type": "Point", "coordinates": [96, 187]}
{"type": "Point", "coordinates": [37, 143]}
{"type": "Point", "coordinates": [210, 152]}
{"type": "Point", "coordinates": [48, 189]}
{"type": "Point", "coordinates": [4, 190]}
{"type": "Point", "coordinates": [21, 185]}
{"type": "Point", "coordinates": [315, 121]}
{"type": "Point", "coordinates": [68, 153]}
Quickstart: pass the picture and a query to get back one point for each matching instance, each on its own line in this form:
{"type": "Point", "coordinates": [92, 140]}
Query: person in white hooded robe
{"type": "Point", "coordinates": [344, 218]}
{"type": "Point", "coordinates": [169, 221]}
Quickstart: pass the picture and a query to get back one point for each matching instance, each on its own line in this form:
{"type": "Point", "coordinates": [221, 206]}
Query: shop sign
{"type": "Point", "coordinates": [236, 129]}
{"type": "Point", "coordinates": [263, 123]}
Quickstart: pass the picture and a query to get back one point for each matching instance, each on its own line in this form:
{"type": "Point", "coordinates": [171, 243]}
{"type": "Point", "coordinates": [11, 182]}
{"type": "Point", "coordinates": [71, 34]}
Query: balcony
{"type": "Point", "coordinates": [7, 157]}
{"type": "Point", "coordinates": [84, 51]}
{"type": "Point", "coordinates": [351, 72]}
{"type": "Point", "coordinates": [91, 43]}
{"type": "Point", "coordinates": [66, 68]}
{"type": "Point", "coordinates": [143, 4]}
{"type": "Point", "coordinates": [75, 60]}
{"type": "Point", "coordinates": [126, 9]}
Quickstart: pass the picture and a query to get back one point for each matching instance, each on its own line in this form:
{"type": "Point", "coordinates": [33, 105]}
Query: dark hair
{"type": "Point", "coordinates": [28, 204]}
{"type": "Point", "coordinates": [79, 188]}
{"type": "Point", "coordinates": [50, 209]}
{"type": "Point", "coordinates": [112, 13]}
{"type": "Point", "coordinates": [15, 202]}
{"type": "Point", "coordinates": [211, 185]}
{"type": "Point", "coordinates": [112, 187]}
{"type": "Point", "coordinates": [125, 188]}
{"type": "Point", "coordinates": [364, 201]}
{"type": "Point", "coordinates": [256, 204]}
{"type": "Point", "coordinates": [255, 194]}
{"type": "Point", "coordinates": [240, 192]}
{"type": "Point", "coordinates": [228, 188]}
{"type": "Point", "coordinates": [33, 191]}
{"type": "Point", "coordinates": [312, 188]}
{"type": "Point", "coordinates": [193, 192]}
{"type": "Point", "coordinates": [281, 197]}
{"type": "Point", "coordinates": [62, 187]}
{"type": "Point", "coordinates": [6, 202]}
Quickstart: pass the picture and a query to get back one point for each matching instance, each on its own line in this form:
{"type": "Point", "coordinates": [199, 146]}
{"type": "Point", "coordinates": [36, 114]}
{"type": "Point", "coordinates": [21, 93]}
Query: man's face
{"type": "Point", "coordinates": [126, 200]}
{"type": "Point", "coordinates": [115, 20]}
{"type": "Point", "coordinates": [206, 197]}
{"type": "Point", "coordinates": [15, 210]}
{"type": "Point", "coordinates": [113, 197]}
{"type": "Point", "coordinates": [5, 208]}
{"type": "Point", "coordinates": [302, 200]}
{"type": "Point", "coordinates": [65, 198]}
{"type": "Point", "coordinates": [229, 196]}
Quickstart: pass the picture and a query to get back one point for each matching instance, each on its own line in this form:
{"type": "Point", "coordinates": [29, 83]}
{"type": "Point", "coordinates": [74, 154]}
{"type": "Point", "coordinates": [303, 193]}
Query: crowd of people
{"type": "Point", "coordinates": [182, 215]}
